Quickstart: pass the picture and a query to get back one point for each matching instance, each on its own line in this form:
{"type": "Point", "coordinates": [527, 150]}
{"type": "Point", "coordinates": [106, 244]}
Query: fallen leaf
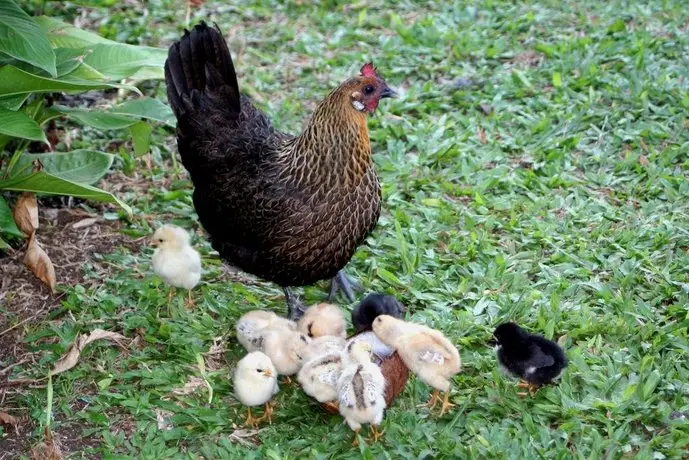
{"type": "Point", "coordinates": [163, 419]}
{"type": "Point", "coordinates": [487, 109]}
{"type": "Point", "coordinates": [562, 340]}
{"type": "Point", "coordinates": [196, 3]}
{"type": "Point", "coordinates": [241, 435]}
{"type": "Point", "coordinates": [39, 263]}
{"type": "Point", "coordinates": [643, 161]}
{"type": "Point", "coordinates": [7, 420]}
{"type": "Point", "coordinates": [70, 359]}
{"type": "Point", "coordinates": [481, 134]}
{"type": "Point", "coordinates": [193, 384]}
{"type": "Point", "coordinates": [48, 449]}
{"type": "Point", "coordinates": [26, 213]}
{"type": "Point", "coordinates": [85, 222]}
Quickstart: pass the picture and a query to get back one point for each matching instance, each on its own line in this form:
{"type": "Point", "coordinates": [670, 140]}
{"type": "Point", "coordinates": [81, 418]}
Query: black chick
{"type": "Point", "coordinates": [372, 306]}
{"type": "Point", "coordinates": [531, 357]}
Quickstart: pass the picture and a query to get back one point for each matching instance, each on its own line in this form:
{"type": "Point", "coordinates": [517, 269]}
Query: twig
{"type": "Point", "coordinates": [7, 369]}
{"type": "Point", "coordinates": [19, 324]}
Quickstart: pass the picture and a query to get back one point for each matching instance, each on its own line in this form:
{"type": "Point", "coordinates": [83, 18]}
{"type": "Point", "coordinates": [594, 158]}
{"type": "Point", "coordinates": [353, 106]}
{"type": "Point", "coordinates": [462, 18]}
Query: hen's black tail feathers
{"type": "Point", "coordinates": [200, 76]}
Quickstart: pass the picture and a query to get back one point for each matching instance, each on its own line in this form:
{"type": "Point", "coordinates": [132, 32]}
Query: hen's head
{"type": "Point", "coordinates": [367, 89]}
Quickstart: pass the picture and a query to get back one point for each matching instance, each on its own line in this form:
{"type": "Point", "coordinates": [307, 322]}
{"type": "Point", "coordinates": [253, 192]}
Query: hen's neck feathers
{"type": "Point", "coordinates": [334, 149]}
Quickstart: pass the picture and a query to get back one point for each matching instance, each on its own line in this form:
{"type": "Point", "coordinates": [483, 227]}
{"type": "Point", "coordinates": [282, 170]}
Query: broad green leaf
{"type": "Point", "coordinates": [120, 60]}
{"type": "Point", "coordinates": [148, 108]}
{"type": "Point", "coordinates": [23, 39]}
{"type": "Point", "coordinates": [63, 35]}
{"type": "Point", "coordinates": [122, 116]}
{"type": "Point", "coordinates": [19, 124]}
{"type": "Point", "coordinates": [14, 81]}
{"type": "Point", "coordinates": [3, 244]}
{"type": "Point", "coordinates": [141, 135]}
{"type": "Point", "coordinates": [48, 184]}
{"type": "Point", "coordinates": [81, 166]}
{"type": "Point", "coordinates": [13, 102]}
{"type": "Point", "coordinates": [7, 224]}
{"type": "Point", "coordinates": [98, 118]}
{"type": "Point", "coordinates": [68, 59]}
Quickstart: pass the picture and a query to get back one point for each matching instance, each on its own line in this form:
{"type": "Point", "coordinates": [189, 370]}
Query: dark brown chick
{"type": "Point", "coordinates": [291, 210]}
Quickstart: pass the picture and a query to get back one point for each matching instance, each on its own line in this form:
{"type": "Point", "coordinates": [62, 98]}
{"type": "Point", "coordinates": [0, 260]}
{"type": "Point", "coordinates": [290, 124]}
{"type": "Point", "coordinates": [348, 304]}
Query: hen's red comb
{"type": "Point", "coordinates": [367, 70]}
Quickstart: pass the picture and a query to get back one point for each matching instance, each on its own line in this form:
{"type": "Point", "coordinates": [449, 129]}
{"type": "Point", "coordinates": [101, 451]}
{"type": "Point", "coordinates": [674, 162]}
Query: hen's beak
{"type": "Point", "coordinates": [267, 373]}
{"type": "Point", "coordinates": [388, 92]}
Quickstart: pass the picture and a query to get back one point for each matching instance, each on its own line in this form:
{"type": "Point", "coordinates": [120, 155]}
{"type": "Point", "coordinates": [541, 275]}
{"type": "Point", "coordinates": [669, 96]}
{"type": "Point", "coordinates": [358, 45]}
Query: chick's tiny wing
{"type": "Point", "coordinates": [538, 358]}
{"type": "Point", "coordinates": [345, 395]}
{"type": "Point", "coordinates": [430, 356]}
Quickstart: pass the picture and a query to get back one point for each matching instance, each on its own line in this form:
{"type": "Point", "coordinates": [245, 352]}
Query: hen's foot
{"type": "Point", "coordinates": [348, 286]}
{"type": "Point", "coordinates": [295, 309]}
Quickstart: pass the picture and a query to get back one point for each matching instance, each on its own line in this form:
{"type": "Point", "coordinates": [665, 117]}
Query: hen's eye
{"type": "Point", "coordinates": [369, 89]}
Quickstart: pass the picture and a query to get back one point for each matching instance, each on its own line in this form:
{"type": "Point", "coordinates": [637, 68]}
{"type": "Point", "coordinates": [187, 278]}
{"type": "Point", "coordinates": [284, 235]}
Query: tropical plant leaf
{"type": "Point", "coordinates": [80, 166]}
{"type": "Point", "coordinates": [23, 39]}
{"type": "Point", "coordinates": [122, 116]}
{"type": "Point", "coordinates": [63, 35]}
{"type": "Point", "coordinates": [13, 102]}
{"type": "Point", "coordinates": [7, 224]}
{"type": "Point", "coordinates": [42, 182]}
{"type": "Point", "coordinates": [141, 135]}
{"type": "Point", "coordinates": [19, 124]}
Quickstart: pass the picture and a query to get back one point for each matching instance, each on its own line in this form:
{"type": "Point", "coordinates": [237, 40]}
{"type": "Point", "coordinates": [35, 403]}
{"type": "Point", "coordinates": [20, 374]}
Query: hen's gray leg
{"type": "Point", "coordinates": [295, 309]}
{"type": "Point", "coordinates": [348, 286]}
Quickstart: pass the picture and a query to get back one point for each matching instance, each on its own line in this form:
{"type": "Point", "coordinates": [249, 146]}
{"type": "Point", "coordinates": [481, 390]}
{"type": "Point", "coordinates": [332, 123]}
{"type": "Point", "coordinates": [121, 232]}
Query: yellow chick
{"type": "Point", "coordinates": [318, 377]}
{"type": "Point", "coordinates": [425, 351]}
{"type": "Point", "coordinates": [174, 260]}
{"type": "Point", "coordinates": [323, 319]}
{"type": "Point", "coordinates": [255, 383]}
{"type": "Point", "coordinates": [285, 348]}
{"type": "Point", "coordinates": [253, 326]}
{"type": "Point", "coordinates": [361, 390]}
{"type": "Point", "coordinates": [322, 346]}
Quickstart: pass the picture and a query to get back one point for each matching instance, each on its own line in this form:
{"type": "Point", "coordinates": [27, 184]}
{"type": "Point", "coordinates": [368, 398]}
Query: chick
{"type": "Point", "coordinates": [322, 346]}
{"type": "Point", "coordinates": [361, 390]}
{"type": "Point", "coordinates": [379, 349]}
{"type": "Point", "coordinates": [426, 352]}
{"type": "Point", "coordinates": [285, 348]}
{"type": "Point", "coordinates": [318, 377]}
{"type": "Point", "coordinates": [174, 260]}
{"type": "Point", "coordinates": [323, 319]}
{"type": "Point", "coordinates": [531, 357]}
{"type": "Point", "coordinates": [372, 306]}
{"type": "Point", "coordinates": [255, 383]}
{"type": "Point", "coordinates": [253, 326]}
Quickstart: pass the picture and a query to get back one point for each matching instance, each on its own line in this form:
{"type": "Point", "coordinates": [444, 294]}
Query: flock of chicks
{"type": "Point", "coordinates": [345, 373]}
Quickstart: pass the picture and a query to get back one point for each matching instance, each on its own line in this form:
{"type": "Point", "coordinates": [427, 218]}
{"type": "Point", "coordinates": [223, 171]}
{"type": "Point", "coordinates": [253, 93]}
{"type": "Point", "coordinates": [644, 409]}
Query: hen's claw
{"type": "Point", "coordinates": [348, 286]}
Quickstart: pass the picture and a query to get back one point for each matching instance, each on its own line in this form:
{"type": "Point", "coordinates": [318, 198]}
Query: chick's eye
{"type": "Point", "coordinates": [160, 240]}
{"type": "Point", "coordinates": [259, 370]}
{"type": "Point", "coordinates": [369, 89]}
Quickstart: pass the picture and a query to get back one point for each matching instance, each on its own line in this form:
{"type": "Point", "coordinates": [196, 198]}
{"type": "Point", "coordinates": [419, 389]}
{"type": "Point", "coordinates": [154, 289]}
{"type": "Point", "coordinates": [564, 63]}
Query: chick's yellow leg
{"type": "Point", "coordinates": [190, 300]}
{"type": "Point", "coordinates": [250, 420]}
{"type": "Point", "coordinates": [333, 405]}
{"type": "Point", "coordinates": [433, 401]}
{"type": "Point", "coordinates": [375, 434]}
{"type": "Point", "coordinates": [533, 388]}
{"type": "Point", "coordinates": [288, 380]}
{"type": "Point", "coordinates": [446, 404]}
{"type": "Point", "coordinates": [170, 294]}
{"type": "Point", "coordinates": [355, 443]}
{"type": "Point", "coordinates": [267, 414]}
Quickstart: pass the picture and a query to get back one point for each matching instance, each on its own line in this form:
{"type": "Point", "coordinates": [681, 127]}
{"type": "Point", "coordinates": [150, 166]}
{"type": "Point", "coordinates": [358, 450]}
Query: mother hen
{"type": "Point", "coordinates": [288, 209]}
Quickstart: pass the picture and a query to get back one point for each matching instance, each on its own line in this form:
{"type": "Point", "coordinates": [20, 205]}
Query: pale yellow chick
{"type": "Point", "coordinates": [255, 383]}
{"type": "Point", "coordinates": [285, 348]}
{"type": "Point", "coordinates": [323, 319]}
{"type": "Point", "coordinates": [361, 390]}
{"type": "Point", "coordinates": [254, 325]}
{"type": "Point", "coordinates": [425, 351]}
{"type": "Point", "coordinates": [318, 377]}
{"type": "Point", "coordinates": [174, 260]}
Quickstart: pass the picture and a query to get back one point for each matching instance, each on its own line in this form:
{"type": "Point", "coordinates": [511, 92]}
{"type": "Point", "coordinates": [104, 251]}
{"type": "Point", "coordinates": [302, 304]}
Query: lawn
{"type": "Point", "coordinates": [534, 169]}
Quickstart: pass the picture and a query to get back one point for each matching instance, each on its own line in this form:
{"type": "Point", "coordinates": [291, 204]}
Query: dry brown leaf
{"type": "Point", "coordinates": [70, 359]}
{"type": "Point", "coordinates": [190, 387]}
{"type": "Point", "coordinates": [643, 161]}
{"type": "Point", "coordinates": [241, 435]}
{"type": "Point", "coordinates": [85, 222]}
{"type": "Point", "coordinates": [8, 420]}
{"type": "Point", "coordinates": [48, 449]}
{"type": "Point", "coordinates": [481, 135]}
{"type": "Point", "coordinates": [26, 213]}
{"type": "Point", "coordinates": [39, 263]}
{"type": "Point", "coordinates": [196, 3]}
{"type": "Point", "coordinates": [562, 340]}
{"type": "Point", "coordinates": [163, 419]}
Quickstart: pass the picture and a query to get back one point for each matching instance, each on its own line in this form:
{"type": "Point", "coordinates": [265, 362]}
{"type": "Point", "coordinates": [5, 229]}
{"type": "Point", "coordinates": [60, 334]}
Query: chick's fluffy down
{"type": "Point", "coordinates": [286, 349]}
{"type": "Point", "coordinates": [255, 379]}
{"type": "Point", "coordinates": [361, 390]}
{"type": "Point", "coordinates": [323, 319]}
{"type": "Point", "coordinates": [318, 377]}
{"type": "Point", "coordinates": [253, 326]}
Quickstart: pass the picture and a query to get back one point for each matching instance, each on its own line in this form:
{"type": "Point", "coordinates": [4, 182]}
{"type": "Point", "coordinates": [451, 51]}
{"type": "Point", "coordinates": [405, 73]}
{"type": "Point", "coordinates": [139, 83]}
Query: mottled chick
{"type": "Point", "coordinates": [379, 349]}
{"type": "Point", "coordinates": [425, 351]}
{"type": "Point", "coordinates": [255, 383]}
{"type": "Point", "coordinates": [174, 260]}
{"type": "Point", "coordinates": [322, 346]}
{"type": "Point", "coordinates": [323, 319]}
{"type": "Point", "coordinates": [372, 306]}
{"type": "Point", "coordinates": [361, 390]}
{"type": "Point", "coordinates": [253, 326]}
{"type": "Point", "coordinates": [534, 359]}
{"type": "Point", "coordinates": [285, 348]}
{"type": "Point", "coordinates": [318, 377]}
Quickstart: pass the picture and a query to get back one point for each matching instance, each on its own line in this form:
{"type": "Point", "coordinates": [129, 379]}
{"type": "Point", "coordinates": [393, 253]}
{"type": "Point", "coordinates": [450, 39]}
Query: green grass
{"type": "Point", "coordinates": [565, 209]}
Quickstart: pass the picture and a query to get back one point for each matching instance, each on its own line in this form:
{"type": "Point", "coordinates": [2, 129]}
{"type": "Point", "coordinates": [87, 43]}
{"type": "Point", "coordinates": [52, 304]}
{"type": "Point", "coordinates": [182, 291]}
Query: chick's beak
{"type": "Point", "coordinates": [388, 92]}
{"type": "Point", "coordinates": [267, 373]}
{"type": "Point", "coordinates": [493, 342]}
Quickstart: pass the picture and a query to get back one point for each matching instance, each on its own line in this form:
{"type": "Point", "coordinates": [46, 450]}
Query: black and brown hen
{"type": "Point", "coordinates": [288, 209]}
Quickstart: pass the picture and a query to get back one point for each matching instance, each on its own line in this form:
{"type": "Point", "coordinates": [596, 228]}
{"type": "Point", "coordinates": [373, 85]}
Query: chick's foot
{"type": "Point", "coordinates": [435, 397]}
{"type": "Point", "coordinates": [355, 443]}
{"type": "Point", "coordinates": [251, 420]}
{"type": "Point", "coordinates": [447, 405]}
{"type": "Point", "coordinates": [375, 434]}
{"type": "Point", "coordinates": [346, 284]}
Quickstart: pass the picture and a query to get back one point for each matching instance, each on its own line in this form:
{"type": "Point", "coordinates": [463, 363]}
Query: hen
{"type": "Point", "coordinates": [288, 209]}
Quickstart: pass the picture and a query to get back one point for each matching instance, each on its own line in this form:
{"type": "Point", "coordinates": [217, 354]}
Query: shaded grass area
{"type": "Point", "coordinates": [534, 169]}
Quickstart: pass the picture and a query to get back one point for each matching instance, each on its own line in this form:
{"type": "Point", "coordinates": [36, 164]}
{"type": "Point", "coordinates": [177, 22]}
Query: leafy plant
{"type": "Point", "coordinates": [39, 56]}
